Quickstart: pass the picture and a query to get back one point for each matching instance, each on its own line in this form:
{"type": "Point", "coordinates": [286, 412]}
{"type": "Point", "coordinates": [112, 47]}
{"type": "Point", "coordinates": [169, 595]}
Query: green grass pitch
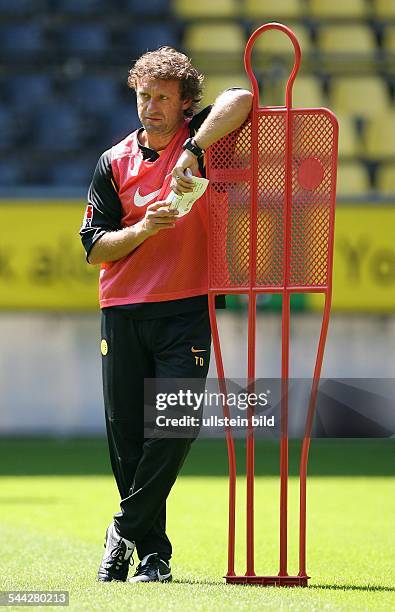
{"type": "Point", "coordinates": [57, 498]}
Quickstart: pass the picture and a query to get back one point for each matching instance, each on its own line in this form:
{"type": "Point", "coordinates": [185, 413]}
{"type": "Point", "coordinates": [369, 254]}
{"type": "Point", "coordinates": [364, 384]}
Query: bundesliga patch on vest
{"type": "Point", "coordinates": [87, 222]}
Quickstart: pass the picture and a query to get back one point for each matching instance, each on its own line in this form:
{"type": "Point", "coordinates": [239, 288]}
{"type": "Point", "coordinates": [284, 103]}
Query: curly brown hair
{"type": "Point", "coordinates": [169, 64]}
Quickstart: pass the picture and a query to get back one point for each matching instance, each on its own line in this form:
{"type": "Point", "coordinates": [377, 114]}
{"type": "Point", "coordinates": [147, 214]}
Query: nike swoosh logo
{"type": "Point", "coordinates": [162, 577]}
{"type": "Point", "coordinates": [140, 200]}
{"type": "Point", "coordinates": [129, 550]}
{"type": "Point", "coordinates": [198, 350]}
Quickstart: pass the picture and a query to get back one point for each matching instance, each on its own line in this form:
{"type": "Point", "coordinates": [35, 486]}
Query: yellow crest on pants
{"type": "Point", "coordinates": [104, 347]}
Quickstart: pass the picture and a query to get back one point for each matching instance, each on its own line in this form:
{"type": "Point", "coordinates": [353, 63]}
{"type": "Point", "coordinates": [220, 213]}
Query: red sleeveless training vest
{"type": "Point", "coordinates": [173, 263]}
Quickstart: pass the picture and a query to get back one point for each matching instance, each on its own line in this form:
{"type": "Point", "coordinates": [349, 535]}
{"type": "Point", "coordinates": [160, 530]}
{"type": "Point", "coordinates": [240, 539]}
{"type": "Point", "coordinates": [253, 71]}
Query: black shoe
{"type": "Point", "coordinates": [152, 569]}
{"type": "Point", "coordinates": [117, 556]}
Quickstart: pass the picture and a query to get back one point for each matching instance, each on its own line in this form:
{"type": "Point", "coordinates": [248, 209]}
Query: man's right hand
{"type": "Point", "coordinates": [115, 245]}
{"type": "Point", "coordinates": [158, 217]}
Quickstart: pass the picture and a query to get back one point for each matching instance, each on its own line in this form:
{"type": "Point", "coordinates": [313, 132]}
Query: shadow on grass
{"type": "Point", "coordinates": [190, 581]}
{"type": "Point", "coordinates": [353, 587]}
{"type": "Point", "coordinates": [334, 587]}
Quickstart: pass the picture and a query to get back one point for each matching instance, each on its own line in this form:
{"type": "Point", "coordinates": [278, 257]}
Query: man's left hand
{"type": "Point", "coordinates": [180, 183]}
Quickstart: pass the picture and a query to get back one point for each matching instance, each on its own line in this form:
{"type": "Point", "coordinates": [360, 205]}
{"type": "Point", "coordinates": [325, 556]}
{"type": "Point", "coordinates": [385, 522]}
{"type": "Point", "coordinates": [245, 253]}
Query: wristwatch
{"type": "Point", "coordinates": [190, 145]}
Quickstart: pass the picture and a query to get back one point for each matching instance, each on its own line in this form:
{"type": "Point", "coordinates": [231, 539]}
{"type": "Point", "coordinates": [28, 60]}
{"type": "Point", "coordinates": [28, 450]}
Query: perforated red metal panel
{"type": "Point", "coordinates": [313, 146]}
{"type": "Point", "coordinates": [229, 169]}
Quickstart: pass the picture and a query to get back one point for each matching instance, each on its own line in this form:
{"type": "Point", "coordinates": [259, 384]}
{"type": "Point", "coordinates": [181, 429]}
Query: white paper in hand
{"type": "Point", "coordinates": [183, 203]}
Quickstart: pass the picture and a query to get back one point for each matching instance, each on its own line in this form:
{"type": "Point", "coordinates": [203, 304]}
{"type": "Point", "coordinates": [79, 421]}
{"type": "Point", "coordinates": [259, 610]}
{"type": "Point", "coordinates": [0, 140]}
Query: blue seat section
{"type": "Point", "coordinates": [8, 128]}
{"type": "Point", "coordinates": [76, 172]}
{"type": "Point", "coordinates": [150, 8]}
{"type": "Point", "coordinates": [120, 123]}
{"type": "Point", "coordinates": [83, 7]}
{"type": "Point", "coordinates": [85, 38]}
{"type": "Point", "coordinates": [22, 39]}
{"type": "Point", "coordinates": [97, 92]}
{"type": "Point", "coordinates": [150, 36]}
{"type": "Point", "coordinates": [58, 127]}
{"type": "Point", "coordinates": [11, 173]}
{"type": "Point", "coordinates": [19, 7]}
{"type": "Point", "coordinates": [28, 90]}
{"type": "Point", "coordinates": [36, 169]}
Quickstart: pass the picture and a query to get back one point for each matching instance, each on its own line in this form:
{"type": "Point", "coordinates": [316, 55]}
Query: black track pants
{"type": "Point", "coordinates": [146, 469]}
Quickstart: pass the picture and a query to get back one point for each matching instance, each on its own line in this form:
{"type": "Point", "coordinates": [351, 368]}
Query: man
{"type": "Point", "coordinates": [153, 290]}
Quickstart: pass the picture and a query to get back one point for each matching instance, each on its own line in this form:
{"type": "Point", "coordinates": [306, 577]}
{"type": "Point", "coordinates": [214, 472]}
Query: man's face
{"type": "Point", "coordinates": [159, 106]}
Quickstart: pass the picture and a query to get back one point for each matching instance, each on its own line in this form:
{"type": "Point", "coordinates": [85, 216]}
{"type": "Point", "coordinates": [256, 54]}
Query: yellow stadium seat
{"type": "Point", "coordinates": [380, 135]}
{"type": "Point", "coordinates": [384, 8]}
{"type": "Point", "coordinates": [349, 145]}
{"type": "Point", "coordinates": [281, 9]}
{"type": "Point", "coordinates": [307, 92]}
{"type": "Point", "coordinates": [206, 8]}
{"type": "Point", "coordinates": [274, 42]}
{"type": "Point", "coordinates": [214, 37]}
{"type": "Point", "coordinates": [337, 8]}
{"type": "Point", "coordinates": [365, 96]}
{"type": "Point", "coordinates": [215, 84]}
{"type": "Point", "coordinates": [352, 179]}
{"type": "Point", "coordinates": [386, 179]}
{"type": "Point", "coordinates": [389, 38]}
{"type": "Point", "coordinates": [342, 38]}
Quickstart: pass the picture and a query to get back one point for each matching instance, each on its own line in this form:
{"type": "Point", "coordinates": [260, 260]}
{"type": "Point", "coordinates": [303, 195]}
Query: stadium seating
{"type": "Point", "coordinates": [77, 172]}
{"type": "Point", "coordinates": [352, 179]}
{"type": "Point", "coordinates": [8, 129]}
{"type": "Point", "coordinates": [59, 128]}
{"type": "Point", "coordinates": [360, 96]}
{"type": "Point", "coordinates": [147, 36]}
{"type": "Point", "coordinates": [84, 38]}
{"type": "Point", "coordinates": [36, 88]}
{"type": "Point", "coordinates": [22, 40]}
{"type": "Point", "coordinates": [274, 42]}
{"type": "Point", "coordinates": [216, 83]}
{"type": "Point", "coordinates": [307, 92]}
{"type": "Point", "coordinates": [214, 37]}
{"type": "Point", "coordinates": [11, 173]}
{"type": "Point", "coordinates": [353, 9]}
{"type": "Point", "coordinates": [350, 145]}
{"type": "Point", "coordinates": [102, 90]}
{"type": "Point", "coordinates": [215, 47]}
{"type": "Point", "coordinates": [120, 123]}
{"type": "Point", "coordinates": [149, 8]}
{"type": "Point", "coordinates": [347, 38]}
{"type": "Point", "coordinates": [384, 9]}
{"type": "Point", "coordinates": [206, 8]}
{"type": "Point", "coordinates": [82, 7]}
{"type": "Point", "coordinates": [389, 38]}
{"type": "Point", "coordinates": [64, 67]}
{"type": "Point", "coordinates": [288, 9]}
{"type": "Point", "coordinates": [386, 179]}
{"type": "Point", "coordinates": [380, 136]}
{"type": "Point", "coordinates": [22, 7]}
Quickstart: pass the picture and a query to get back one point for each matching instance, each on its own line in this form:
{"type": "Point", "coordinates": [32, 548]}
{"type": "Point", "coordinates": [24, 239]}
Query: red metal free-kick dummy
{"type": "Point", "coordinates": [271, 223]}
